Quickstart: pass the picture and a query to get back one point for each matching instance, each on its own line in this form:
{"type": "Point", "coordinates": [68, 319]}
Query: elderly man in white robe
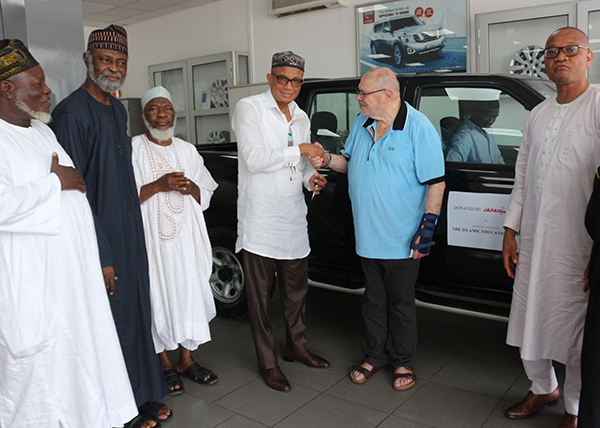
{"type": "Point", "coordinates": [553, 182]}
{"type": "Point", "coordinates": [175, 188]}
{"type": "Point", "coordinates": [61, 364]}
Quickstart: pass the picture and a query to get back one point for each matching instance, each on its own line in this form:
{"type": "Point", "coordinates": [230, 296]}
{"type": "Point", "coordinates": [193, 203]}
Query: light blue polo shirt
{"type": "Point", "coordinates": [388, 181]}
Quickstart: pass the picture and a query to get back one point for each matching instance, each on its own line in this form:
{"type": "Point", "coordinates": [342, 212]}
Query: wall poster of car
{"type": "Point", "coordinates": [412, 36]}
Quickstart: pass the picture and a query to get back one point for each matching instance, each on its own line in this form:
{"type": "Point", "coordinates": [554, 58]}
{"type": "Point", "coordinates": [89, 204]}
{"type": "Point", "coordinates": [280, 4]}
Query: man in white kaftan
{"type": "Point", "coordinates": [175, 188]}
{"type": "Point", "coordinates": [61, 364]}
{"type": "Point", "coordinates": [554, 175]}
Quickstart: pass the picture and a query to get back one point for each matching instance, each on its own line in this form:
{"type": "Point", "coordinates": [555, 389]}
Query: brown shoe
{"type": "Point", "coordinates": [532, 403]}
{"type": "Point", "coordinates": [310, 359]}
{"type": "Point", "coordinates": [568, 421]}
{"type": "Point", "coordinates": [274, 378]}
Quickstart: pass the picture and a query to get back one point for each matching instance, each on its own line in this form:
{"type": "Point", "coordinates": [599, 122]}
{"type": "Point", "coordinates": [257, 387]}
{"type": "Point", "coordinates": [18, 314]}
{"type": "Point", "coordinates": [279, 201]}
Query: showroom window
{"type": "Point", "coordinates": [331, 115]}
{"type": "Point", "coordinates": [475, 125]}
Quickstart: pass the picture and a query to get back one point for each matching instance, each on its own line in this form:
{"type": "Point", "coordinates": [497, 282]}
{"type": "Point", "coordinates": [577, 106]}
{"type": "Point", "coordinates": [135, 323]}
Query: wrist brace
{"type": "Point", "coordinates": [425, 232]}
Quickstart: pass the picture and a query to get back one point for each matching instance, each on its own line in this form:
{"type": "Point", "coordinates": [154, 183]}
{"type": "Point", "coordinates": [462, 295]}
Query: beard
{"type": "Point", "coordinates": [39, 115]}
{"type": "Point", "coordinates": [158, 134]}
{"type": "Point", "coordinates": [102, 80]}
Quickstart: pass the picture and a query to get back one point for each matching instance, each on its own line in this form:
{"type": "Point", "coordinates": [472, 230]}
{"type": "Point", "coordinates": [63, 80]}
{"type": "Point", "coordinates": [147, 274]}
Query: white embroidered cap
{"type": "Point", "coordinates": [156, 92]}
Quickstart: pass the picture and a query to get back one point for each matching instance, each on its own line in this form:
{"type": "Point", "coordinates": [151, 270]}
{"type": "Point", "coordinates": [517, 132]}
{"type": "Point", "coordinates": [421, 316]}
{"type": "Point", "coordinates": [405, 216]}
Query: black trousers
{"type": "Point", "coordinates": [389, 311]}
{"type": "Point", "coordinates": [292, 276]}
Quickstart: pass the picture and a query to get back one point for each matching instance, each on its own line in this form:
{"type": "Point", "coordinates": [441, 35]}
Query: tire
{"type": "Point", "coordinates": [227, 281]}
{"type": "Point", "coordinates": [398, 56]}
{"type": "Point", "coordinates": [373, 49]}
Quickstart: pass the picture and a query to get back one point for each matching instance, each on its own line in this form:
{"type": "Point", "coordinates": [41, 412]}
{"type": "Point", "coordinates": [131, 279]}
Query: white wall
{"type": "Point", "coordinates": [326, 39]}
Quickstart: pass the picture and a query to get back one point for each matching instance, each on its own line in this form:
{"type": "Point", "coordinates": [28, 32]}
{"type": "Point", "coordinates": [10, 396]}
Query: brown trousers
{"type": "Point", "coordinates": [292, 276]}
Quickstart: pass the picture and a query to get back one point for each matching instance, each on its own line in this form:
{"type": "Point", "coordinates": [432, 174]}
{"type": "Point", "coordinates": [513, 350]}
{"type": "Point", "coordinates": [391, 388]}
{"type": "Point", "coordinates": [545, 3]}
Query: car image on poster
{"type": "Point", "coordinates": [412, 36]}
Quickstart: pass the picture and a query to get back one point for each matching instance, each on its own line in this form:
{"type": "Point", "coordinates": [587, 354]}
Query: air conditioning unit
{"type": "Point", "coordinates": [281, 8]}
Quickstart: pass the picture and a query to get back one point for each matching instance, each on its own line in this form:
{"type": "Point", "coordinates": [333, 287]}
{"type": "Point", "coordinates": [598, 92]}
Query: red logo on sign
{"type": "Point", "coordinates": [369, 17]}
{"type": "Point", "coordinates": [419, 12]}
{"type": "Point", "coordinates": [429, 12]}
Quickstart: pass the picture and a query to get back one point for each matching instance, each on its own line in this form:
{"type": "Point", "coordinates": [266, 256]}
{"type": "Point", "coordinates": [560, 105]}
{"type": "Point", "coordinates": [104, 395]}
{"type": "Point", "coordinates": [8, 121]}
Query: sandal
{"type": "Point", "coordinates": [365, 372]}
{"type": "Point", "coordinates": [139, 421]}
{"type": "Point", "coordinates": [411, 376]}
{"type": "Point", "coordinates": [199, 374]}
{"type": "Point", "coordinates": [151, 409]}
{"type": "Point", "coordinates": [173, 380]}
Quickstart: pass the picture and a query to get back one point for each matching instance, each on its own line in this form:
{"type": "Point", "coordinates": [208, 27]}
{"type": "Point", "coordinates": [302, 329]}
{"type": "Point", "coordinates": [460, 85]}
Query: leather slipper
{"type": "Point", "coordinates": [139, 421]}
{"type": "Point", "coordinates": [199, 374]}
{"type": "Point", "coordinates": [173, 380]}
{"type": "Point", "coordinates": [365, 372]}
{"type": "Point", "coordinates": [412, 376]}
{"type": "Point", "coordinates": [152, 408]}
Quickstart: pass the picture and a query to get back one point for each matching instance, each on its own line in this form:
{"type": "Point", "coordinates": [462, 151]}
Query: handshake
{"type": "Point", "coordinates": [317, 155]}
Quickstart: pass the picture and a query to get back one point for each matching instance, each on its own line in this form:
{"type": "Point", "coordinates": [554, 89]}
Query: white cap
{"type": "Point", "coordinates": [156, 92]}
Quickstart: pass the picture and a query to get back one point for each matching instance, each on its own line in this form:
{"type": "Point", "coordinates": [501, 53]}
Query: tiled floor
{"type": "Point", "coordinates": [467, 377]}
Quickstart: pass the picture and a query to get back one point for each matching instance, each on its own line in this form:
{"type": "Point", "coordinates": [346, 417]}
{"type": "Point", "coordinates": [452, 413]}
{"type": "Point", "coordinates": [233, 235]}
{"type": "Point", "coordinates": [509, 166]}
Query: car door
{"type": "Point", "coordinates": [480, 157]}
{"type": "Point", "coordinates": [333, 258]}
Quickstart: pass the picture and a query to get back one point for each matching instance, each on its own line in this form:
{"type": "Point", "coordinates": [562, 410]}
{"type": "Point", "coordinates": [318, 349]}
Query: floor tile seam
{"type": "Point", "coordinates": [466, 390]}
{"type": "Point", "coordinates": [242, 416]}
{"type": "Point", "coordinates": [227, 351]}
{"type": "Point", "coordinates": [297, 410]}
{"type": "Point", "coordinates": [252, 369]}
{"type": "Point", "coordinates": [228, 419]}
{"type": "Point", "coordinates": [405, 419]}
{"type": "Point", "coordinates": [485, 363]}
{"type": "Point", "coordinates": [512, 384]}
{"type": "Point", "coordinates": [314, 343]}
{"type": "Point", "coordinates": [421, 384]}
{"type": "Point", "coordinates": [454, 355]}
{"type": "Point", "coordinates": [354, 403]}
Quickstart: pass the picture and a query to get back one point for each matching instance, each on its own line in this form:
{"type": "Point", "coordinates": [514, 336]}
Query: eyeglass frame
{"type": "Point", "coordinates": [279, 76]}
{"type": "Point", "coordinates": [364, 94]}
{"type": "Point", "coordinates": [561, 48]}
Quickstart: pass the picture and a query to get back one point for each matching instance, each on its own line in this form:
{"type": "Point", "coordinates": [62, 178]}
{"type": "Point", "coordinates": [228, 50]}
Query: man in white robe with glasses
{"type": "Point", "coordinates": [553, 182]}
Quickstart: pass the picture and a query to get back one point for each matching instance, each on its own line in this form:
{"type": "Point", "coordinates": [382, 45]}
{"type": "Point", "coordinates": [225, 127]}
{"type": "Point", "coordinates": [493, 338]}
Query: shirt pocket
{"type": "Point", "coordinates": [577, 152]}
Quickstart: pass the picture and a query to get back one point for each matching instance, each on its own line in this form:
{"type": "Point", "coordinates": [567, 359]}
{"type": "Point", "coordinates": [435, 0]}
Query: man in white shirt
{"type": "Point", "coordinates": [553, 182]}
{"type": "Point", "coordinates": [273, 141]}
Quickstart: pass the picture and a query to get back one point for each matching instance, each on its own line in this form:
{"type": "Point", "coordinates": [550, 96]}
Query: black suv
{"type": "Point", "coordinates": [465, 268]}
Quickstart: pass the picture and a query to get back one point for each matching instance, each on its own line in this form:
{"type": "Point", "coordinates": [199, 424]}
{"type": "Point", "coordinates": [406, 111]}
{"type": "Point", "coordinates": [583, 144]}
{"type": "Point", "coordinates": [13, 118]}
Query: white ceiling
{"type": "Point", "coordinates": [101, 13]}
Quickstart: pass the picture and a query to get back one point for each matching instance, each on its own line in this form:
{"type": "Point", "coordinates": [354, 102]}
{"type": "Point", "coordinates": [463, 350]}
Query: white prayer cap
{"type": "Point", "coordinates": [156, 92]}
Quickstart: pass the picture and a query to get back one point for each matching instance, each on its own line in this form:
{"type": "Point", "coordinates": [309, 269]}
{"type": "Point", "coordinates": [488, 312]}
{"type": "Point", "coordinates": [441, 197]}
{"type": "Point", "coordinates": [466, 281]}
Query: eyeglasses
{"type": "Point", "coordinates": [364, 94]}
{"type": "Point", "coordinates": [282, 80]}
{"type": "Point", "coordinates": [570, 50]}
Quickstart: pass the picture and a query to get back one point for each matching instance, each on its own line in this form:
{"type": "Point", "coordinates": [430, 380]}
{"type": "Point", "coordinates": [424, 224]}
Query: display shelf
{"type": "Point", "coordinates": [199, 87]}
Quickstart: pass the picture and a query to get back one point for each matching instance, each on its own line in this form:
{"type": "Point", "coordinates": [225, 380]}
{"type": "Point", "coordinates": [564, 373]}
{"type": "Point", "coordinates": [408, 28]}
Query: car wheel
{"type": "Point", "coordinates": [398, 57]}
{"type": "Point", "coordinates": [227, 279]}
{"type": "Point", "coordinates": [373, 49]}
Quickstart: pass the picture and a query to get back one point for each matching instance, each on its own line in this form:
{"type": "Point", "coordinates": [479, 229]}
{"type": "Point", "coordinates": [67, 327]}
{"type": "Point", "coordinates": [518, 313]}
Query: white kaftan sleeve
{"type": "Point", "coordinates": [200, 175]}
{"type": "Point", "coordinates": [31, 208]}
{"type": "Point", "coordinates": [514, 213]}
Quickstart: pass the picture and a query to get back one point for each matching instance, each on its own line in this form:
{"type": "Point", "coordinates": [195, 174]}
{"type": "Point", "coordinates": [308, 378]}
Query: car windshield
{"type": "Point", "coordinates": [544, 87]}
{"type": "Point", "coordinates": [409, 21]}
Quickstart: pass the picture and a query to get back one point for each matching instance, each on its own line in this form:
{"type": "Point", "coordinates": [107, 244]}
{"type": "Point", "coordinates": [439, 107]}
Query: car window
{"type": "Point", "coordinates": [410, 21]}
{"type": "Point", "coordinates": [476, 125]}
{"type": "Point", "coordinates": [331, 116]}
{"type": "Point", "coordinates": [386, 26]}
{"type": "Point", "coordinates": [377, 28]}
